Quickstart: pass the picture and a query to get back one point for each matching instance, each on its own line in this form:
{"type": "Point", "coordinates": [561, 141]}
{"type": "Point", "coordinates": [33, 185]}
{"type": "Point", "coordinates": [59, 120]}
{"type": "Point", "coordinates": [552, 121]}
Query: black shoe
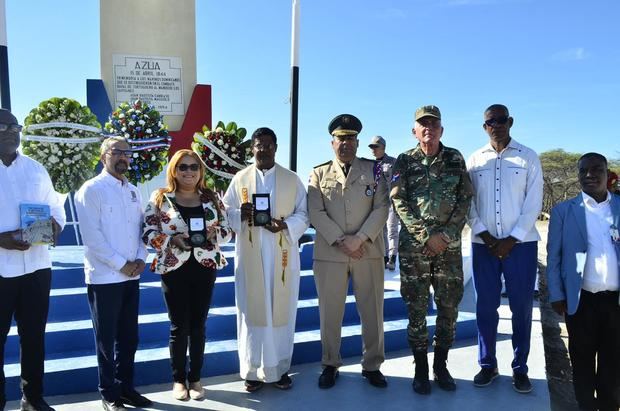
{"type": "Point", "coordinates": [440, 371]}
{"type": "Point", "coordinates": [285, 382]}
{"type": "Point", "coordinates": [375, 378]}
{"type": "Point", "coordinates": [34, 405]}
{"type": "Point", "coordinates": [421, 384]}
{"type": "Point", "coordinates": [521, 383]}
{"type": "Point", "coordinates": [391, 264]}
{"type": "Point", "coordinates": [135, 399]}
{"type": "Point", "coordinates": [328, 377]}
{"type": "Point", "coordinates": [113, 406]}
{"type": "Point", "coordinates": [253, 385]}
{"type": "Point", "coordinates": [485, 377]}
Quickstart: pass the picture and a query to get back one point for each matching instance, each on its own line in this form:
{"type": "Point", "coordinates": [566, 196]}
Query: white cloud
{"type": "Point", "coordinates": [573, 54]}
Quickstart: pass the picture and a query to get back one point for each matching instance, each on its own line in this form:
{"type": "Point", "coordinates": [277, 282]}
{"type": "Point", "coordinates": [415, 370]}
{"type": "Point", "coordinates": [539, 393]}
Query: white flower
{"type": "Point", "coordinates": [226, 145]}
{"type": "Point", "coordinates": [67, 161]}
{"type": "Point", "coordinates": [123, 129]}
{"type": "Point", "coordinates": [219, 130]}
{"type": "Point", "coordinates": [153, 158]}
{"type": "Point", "coordinates": [121, 115]}
{"type": "Point", "coordinates": [141, 122]}
{"type": "Point", "coordinates": [126, 135]}
{"type": "Point", "coordinates": [211, 156]}
{"type": "Point", "coordinates": [220, 142]}
{"type": "Point", "coordinates": [233, 149]}
{"type": "Point", "coordinates": [135, 155]}
{"type": "Point", "coordinates": [53, 159]}
{"type": "Point", "coordinates": [224, 162]}
{"type": "Point", "coordinates": [149, 131]}
{"type": "Point", "coordinates": [131, 123]}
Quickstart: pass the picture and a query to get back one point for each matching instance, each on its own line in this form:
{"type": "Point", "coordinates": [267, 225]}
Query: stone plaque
{"type": "Point", "coordinates": [152, 79]}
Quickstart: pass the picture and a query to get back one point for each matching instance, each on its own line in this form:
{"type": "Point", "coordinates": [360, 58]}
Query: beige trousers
{"type": "Point", "coordinates": [332, 281]}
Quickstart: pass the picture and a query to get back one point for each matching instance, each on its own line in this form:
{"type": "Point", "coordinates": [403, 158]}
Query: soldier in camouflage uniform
{"type": "Point", "coordinates": [431, 192]}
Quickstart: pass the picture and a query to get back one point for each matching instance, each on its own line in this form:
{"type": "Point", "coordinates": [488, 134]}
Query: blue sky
{"type": "Point", "coordinates": [554, 63]}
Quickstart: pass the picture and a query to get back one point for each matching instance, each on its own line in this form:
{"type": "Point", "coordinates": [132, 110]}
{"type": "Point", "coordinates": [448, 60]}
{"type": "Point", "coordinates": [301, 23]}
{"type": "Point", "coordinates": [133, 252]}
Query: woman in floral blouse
{"type": "Point", "coordinates": [188, 271]}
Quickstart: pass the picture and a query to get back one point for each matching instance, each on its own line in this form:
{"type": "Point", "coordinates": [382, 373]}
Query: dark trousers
{"type": "Point", "coordinates": [114, 310]}
{"type": "Point", "coordinates": [187, 294]}
{"type": "Point", "coordinates": [519, 270]}
{"type": "Point", "coordinates": [27, 298]}
{"type": "Point", "coordinates": [594, 348]}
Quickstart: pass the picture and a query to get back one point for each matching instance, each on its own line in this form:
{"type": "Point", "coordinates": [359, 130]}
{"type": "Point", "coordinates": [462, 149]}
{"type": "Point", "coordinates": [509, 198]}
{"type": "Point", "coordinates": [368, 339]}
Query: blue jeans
{"type": "Point", "coordinates": [519, 269]}
{"type": "Point", "coordinates": [114, 310]}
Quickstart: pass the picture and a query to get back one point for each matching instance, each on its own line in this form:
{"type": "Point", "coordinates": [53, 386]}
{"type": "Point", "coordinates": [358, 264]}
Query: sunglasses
{"type": "Point", "coordinates": [492, 122]}
{"type": "Point", "coordinates": [16, 128]}
{"type": "Point", "coordinates": [185, 167]}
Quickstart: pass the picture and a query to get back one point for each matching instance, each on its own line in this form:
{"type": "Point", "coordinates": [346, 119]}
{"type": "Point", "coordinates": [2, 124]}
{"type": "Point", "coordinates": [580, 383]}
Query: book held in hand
{"type": "Point", "coordinates": [36, 224]}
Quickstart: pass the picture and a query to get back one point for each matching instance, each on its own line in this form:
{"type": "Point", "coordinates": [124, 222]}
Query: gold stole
{"type": "Point", "coordinates": [285, 193]}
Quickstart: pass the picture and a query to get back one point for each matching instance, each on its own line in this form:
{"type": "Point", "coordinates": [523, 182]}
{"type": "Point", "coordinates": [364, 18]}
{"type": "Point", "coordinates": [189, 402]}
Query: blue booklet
{"type": "Point", "coordinates": [36, 223]}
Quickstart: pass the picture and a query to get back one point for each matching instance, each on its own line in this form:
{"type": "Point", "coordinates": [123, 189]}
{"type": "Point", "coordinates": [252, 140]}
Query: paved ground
{"type": "Point", "coordinates": [352, 392]}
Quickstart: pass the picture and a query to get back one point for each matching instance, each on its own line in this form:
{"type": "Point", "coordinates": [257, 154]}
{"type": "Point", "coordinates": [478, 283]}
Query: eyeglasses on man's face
{"type": "Point", "coordinates": [494, 122]}
{"type": "Point", "coordinates": [185, 167]}
{"type": "Point", "coordinates": [15, 128]}
{"type": "Point", "coordinates": [117, 153]}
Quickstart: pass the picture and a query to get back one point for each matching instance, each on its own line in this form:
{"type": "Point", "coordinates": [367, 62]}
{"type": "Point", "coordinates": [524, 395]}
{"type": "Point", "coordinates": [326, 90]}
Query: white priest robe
{"type": "Point", "coordinates": [265, 350]}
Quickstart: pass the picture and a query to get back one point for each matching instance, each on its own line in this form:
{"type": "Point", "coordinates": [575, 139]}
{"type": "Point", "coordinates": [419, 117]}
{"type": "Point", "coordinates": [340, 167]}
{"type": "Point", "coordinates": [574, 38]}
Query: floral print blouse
{"type": "Point", "coordinates": [160, 225]}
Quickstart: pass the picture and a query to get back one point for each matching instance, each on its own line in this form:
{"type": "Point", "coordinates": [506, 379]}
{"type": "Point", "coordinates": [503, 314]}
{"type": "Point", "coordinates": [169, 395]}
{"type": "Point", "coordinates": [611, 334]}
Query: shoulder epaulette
{"type": "Point", "coordinates": [323, 164]}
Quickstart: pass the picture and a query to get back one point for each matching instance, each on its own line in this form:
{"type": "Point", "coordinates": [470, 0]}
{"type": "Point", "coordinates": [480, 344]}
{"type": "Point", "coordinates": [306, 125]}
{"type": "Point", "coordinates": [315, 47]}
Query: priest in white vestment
{"type": "Point", "coordinates": [266, 264]}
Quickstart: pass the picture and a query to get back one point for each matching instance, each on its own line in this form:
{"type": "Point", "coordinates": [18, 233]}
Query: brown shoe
{"type": "Point", "coordinates": [252, 385]}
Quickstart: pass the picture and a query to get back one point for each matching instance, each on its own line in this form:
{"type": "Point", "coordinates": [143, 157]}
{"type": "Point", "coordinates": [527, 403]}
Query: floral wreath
{"type": "Point", "coordinates": [146, 133]}
{"type": "Point", "coordinates": [65, 137]}
{"type": "Point", "coordinates": [223, 152]}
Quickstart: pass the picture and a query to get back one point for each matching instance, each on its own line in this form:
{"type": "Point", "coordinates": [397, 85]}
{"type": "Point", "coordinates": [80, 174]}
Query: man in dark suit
{"type": "Point", "coordinates": [583, 266]}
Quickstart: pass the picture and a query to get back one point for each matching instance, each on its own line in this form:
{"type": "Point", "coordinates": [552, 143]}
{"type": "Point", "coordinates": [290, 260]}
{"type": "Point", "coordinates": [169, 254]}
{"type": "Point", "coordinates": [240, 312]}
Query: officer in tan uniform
{"type": "Point", "coordinates": [348, 207]}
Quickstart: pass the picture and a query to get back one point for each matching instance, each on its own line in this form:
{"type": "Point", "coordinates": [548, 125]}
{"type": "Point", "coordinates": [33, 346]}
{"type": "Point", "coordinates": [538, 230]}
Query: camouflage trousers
{"type": "Point", "coordinates": [417, 274]}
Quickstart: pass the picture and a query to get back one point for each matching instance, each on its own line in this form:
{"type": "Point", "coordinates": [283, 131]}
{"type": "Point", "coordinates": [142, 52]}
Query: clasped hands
{"type": "Point", "coordinates": [436, 244]}
{"type": "Point", "coordinates": [11, 240]}
{"type": "Point", "coordinates": [499, 248]}
{"type": "Point", "coordinates": [351, 245]}
{"type": "Point", "coordinates": [133, 268]}
{"type": "Point", "coordinates": [275, 225]}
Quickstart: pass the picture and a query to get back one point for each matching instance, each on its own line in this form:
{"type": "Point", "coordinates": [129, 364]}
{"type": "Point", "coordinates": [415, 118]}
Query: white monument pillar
{"type": "Point", "coordinates": [148, 51]}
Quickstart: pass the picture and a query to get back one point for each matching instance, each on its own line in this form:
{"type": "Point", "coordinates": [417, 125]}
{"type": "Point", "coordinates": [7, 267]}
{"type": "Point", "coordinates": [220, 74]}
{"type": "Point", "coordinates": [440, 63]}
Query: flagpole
{"type": "Point", "coordinates": [294, 84]}
{"type": "Point", "coordinates": [5, 91]}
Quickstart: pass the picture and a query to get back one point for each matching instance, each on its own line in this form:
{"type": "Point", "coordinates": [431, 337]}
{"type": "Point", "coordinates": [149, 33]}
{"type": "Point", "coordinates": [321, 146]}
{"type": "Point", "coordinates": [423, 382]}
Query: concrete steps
{"type": "Point", "coordinates": [71, 365]}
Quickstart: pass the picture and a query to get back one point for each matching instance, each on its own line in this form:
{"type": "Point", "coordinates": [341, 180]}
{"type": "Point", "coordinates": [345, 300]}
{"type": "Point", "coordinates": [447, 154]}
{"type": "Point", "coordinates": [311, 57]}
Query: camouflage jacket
{"type": "Point", "coordinates": [431, 194]}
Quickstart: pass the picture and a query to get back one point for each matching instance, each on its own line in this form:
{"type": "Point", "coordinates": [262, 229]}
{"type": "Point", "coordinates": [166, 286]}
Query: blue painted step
{"type": "Point", "coordinates": [78, 372]}
{"type": "Point", "coordinates": [154, 328]}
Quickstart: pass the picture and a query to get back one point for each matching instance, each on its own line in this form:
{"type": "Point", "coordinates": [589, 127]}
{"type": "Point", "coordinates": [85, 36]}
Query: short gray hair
{"type": "Point", "coordinates": [107, 143]}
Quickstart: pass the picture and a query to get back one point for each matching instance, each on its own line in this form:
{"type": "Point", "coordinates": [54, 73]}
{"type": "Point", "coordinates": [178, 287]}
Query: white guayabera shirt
{"type": "Point", "coordinates": [508, 192]}
{"type": "Point", "coordinates": [110, 215]}
{"type": "Point", "coordinates": [25, 181]}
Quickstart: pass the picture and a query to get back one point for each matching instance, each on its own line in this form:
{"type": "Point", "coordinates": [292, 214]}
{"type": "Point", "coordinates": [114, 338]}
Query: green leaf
{"type": "Point", "coordinates": [241, 133]}
{"type": "Point", "coordinates": [231, 127]}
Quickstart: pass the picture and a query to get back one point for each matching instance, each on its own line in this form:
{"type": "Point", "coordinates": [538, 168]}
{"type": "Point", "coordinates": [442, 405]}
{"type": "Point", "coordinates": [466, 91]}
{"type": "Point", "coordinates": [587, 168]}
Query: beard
{"type": "Point", "coordinates": [121, 167]}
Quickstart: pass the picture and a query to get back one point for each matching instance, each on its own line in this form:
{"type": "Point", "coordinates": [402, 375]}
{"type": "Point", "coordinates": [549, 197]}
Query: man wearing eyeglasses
{"type": "Point", "coordinates": [508, 187]}
{"type": "Point", "coordinates": [266, 207]}
{"type": "Point", "coordinates": [110, 214]}
{"type": "Point", "coordinates": [25, 269]}
{"type": "Point", "coordinates": [431, 192]}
